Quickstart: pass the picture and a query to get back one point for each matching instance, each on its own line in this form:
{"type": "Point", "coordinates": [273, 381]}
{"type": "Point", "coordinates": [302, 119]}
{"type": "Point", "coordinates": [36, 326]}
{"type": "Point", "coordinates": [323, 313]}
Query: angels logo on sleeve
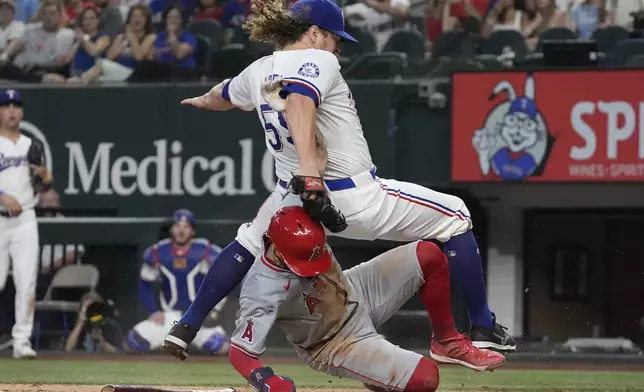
{"type": "Point", "coordinates": [309, 70]}
{"type": "Point", "coordinates": [514, 142]}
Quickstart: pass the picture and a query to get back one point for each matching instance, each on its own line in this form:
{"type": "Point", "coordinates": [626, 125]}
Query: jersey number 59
{"type": "Point", "coordinates": [276, 141]}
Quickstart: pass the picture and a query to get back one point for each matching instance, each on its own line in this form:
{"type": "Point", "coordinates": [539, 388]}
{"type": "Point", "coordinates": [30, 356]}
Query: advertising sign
{"type": "Point", "coordinates": [137, 151]}
{"type": "Point", "coordinates": [551, 126]}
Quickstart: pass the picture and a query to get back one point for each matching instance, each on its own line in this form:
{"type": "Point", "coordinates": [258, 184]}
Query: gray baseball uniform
{"type": "Point", "coordinates": [331, 319]}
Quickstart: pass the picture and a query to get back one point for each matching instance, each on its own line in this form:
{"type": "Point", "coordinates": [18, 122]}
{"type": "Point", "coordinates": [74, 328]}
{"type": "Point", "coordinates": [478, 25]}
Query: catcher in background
{"type": "Point", "coordinates": [23, 175]}
{"type": "Point", "coordinates": [330, 316]}
{"type": "Point", "coordinates": [178, 265]}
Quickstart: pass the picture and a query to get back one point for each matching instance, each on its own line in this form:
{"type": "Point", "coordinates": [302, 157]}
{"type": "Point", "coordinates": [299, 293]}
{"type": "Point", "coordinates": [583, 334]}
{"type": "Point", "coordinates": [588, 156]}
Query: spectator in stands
{"type": "Point", "coordinates": [235, 13]}
{"type": "Point", "coordinates": [126, 5]}
{"type": "Point", "coordinates": [380, 17]}
{"type": "Point", "coordinates": [506, 15]}
{"type": "Point", "coordinates": [208, 9]}
{"type": "Point", "coordinates": [159, 6]}
{"type": "Point", "coordinates": [173, 54]}
{"type": "Point", "coordinates": [42, 49]}
{"type": "Point", "coordinates": [90, 42]}
{"type": "Point", "coordinates": [433, 21]}
{"type": "Point", "coordinates": [11, 31]}
{"type": "Point", "coordinates": [64, 22]}
{"type": "Point", "coordinates": [547, 15]}
{"type": "Point", "coordinates": [137, 39]}
{"type": "Point", "coordinates": [111, 19]}
{"type": "Point", "coordinates": [27, 10]}
{"type": "Point", "coordinates": [128, 49]}
{"type": "Point", "coordinates": [466, 14]}
{"type": "Point", "coordinates": [590, 15]}
{"type": "Point", "coordinates": [73, 8]}
{"type": "Point", "coordinates": [175, 45]}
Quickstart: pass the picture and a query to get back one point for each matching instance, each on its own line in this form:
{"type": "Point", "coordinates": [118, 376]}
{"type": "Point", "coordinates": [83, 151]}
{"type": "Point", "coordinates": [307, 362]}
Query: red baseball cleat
{"type": "Point", "coordinates": [460, 351]}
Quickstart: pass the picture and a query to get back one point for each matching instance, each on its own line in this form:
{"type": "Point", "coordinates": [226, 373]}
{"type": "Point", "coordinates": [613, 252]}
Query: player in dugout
{"type": "Point", "coordinates": [330, 316]}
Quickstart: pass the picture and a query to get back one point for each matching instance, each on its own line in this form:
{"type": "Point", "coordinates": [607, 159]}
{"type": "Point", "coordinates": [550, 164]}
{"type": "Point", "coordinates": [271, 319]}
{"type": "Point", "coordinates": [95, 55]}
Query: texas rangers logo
{"type": "Point", "coordinates": [11, 161]}
{"type": "Point", "coordinates": [514, 142]}
{"type": "Point", "coordinates": [180, 263]}
{"type": "Point", "coordinates": [309, 70]}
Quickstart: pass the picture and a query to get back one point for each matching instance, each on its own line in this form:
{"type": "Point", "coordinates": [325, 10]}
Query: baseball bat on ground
{"type": "Point", "coordinates": [145, 388]}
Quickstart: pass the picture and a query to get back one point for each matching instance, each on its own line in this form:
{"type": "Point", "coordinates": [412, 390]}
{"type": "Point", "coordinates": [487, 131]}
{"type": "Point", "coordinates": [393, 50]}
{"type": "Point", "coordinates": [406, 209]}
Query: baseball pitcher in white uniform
{"type": "Point", "coordinates": [330, 316]}
{"type": "Point", "coordinates": [314, 133]}
{"type": "Point", "coordinates": [18, 226]}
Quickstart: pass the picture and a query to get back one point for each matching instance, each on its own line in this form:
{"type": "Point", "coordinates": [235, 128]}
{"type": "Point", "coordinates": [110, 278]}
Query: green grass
{"type": "Point", "coordinates": [221, 374]}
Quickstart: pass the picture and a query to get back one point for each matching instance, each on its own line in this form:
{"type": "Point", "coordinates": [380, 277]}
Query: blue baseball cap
{"type": "Point", "coordinates": [184, 214]}
{"type": "Point", "coordinates": [324, 14]}
{"type": "Point", "coordinates": [10, 96]}
{"type": "Point", "coordinates": [524, 105]}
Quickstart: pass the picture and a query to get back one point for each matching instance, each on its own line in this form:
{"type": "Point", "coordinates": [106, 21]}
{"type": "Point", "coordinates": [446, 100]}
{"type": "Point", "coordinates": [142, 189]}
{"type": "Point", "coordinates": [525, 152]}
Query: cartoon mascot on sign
{"type": "Point", "coordinates": [514, 141]}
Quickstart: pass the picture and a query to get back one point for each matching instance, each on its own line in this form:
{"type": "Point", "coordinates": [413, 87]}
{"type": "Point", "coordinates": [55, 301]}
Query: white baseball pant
{"type": "Point", "coordinates": [375, 208]}
{"type": "Point", "coordinates": [19, 246]}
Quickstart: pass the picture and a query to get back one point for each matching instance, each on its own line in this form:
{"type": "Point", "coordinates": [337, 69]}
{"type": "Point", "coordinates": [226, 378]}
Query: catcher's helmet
{"type": "Point", "coordinates": [184, 214]}
{"type": "Point", "coordinates": [300, 241]}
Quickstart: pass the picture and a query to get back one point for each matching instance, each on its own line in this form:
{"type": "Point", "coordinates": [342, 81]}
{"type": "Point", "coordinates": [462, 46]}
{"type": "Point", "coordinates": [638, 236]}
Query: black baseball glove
{"type": "Point", "coordinates": [36, 156]}
{"type": "Point", "coordinates": [320, 207]}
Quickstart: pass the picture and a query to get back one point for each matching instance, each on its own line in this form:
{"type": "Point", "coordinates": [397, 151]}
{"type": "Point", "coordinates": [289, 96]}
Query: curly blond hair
{"type": "Point", "coordinates": [272, 23]}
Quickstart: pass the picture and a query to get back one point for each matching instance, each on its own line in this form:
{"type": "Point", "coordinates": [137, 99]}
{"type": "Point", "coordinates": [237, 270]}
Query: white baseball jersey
{"type": "Point", "coordinates": [15, 177]}
{"type": "Point", "coordinates": [316, 74]}
{"type": "Point", "coordinates": [375, 208]}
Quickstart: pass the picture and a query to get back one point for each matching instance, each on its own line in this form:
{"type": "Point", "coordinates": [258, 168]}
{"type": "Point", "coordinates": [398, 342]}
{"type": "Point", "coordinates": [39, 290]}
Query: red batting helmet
{"type": "Point", "coordinates": [300, 241]}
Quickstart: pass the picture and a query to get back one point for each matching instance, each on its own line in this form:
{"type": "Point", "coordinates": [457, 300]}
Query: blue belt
{"type": "Point", "coordinates": [335, 185]}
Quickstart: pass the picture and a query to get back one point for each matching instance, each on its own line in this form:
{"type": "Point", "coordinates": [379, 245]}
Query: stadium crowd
{"type": "Point", "coordinates": [101, 41]}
